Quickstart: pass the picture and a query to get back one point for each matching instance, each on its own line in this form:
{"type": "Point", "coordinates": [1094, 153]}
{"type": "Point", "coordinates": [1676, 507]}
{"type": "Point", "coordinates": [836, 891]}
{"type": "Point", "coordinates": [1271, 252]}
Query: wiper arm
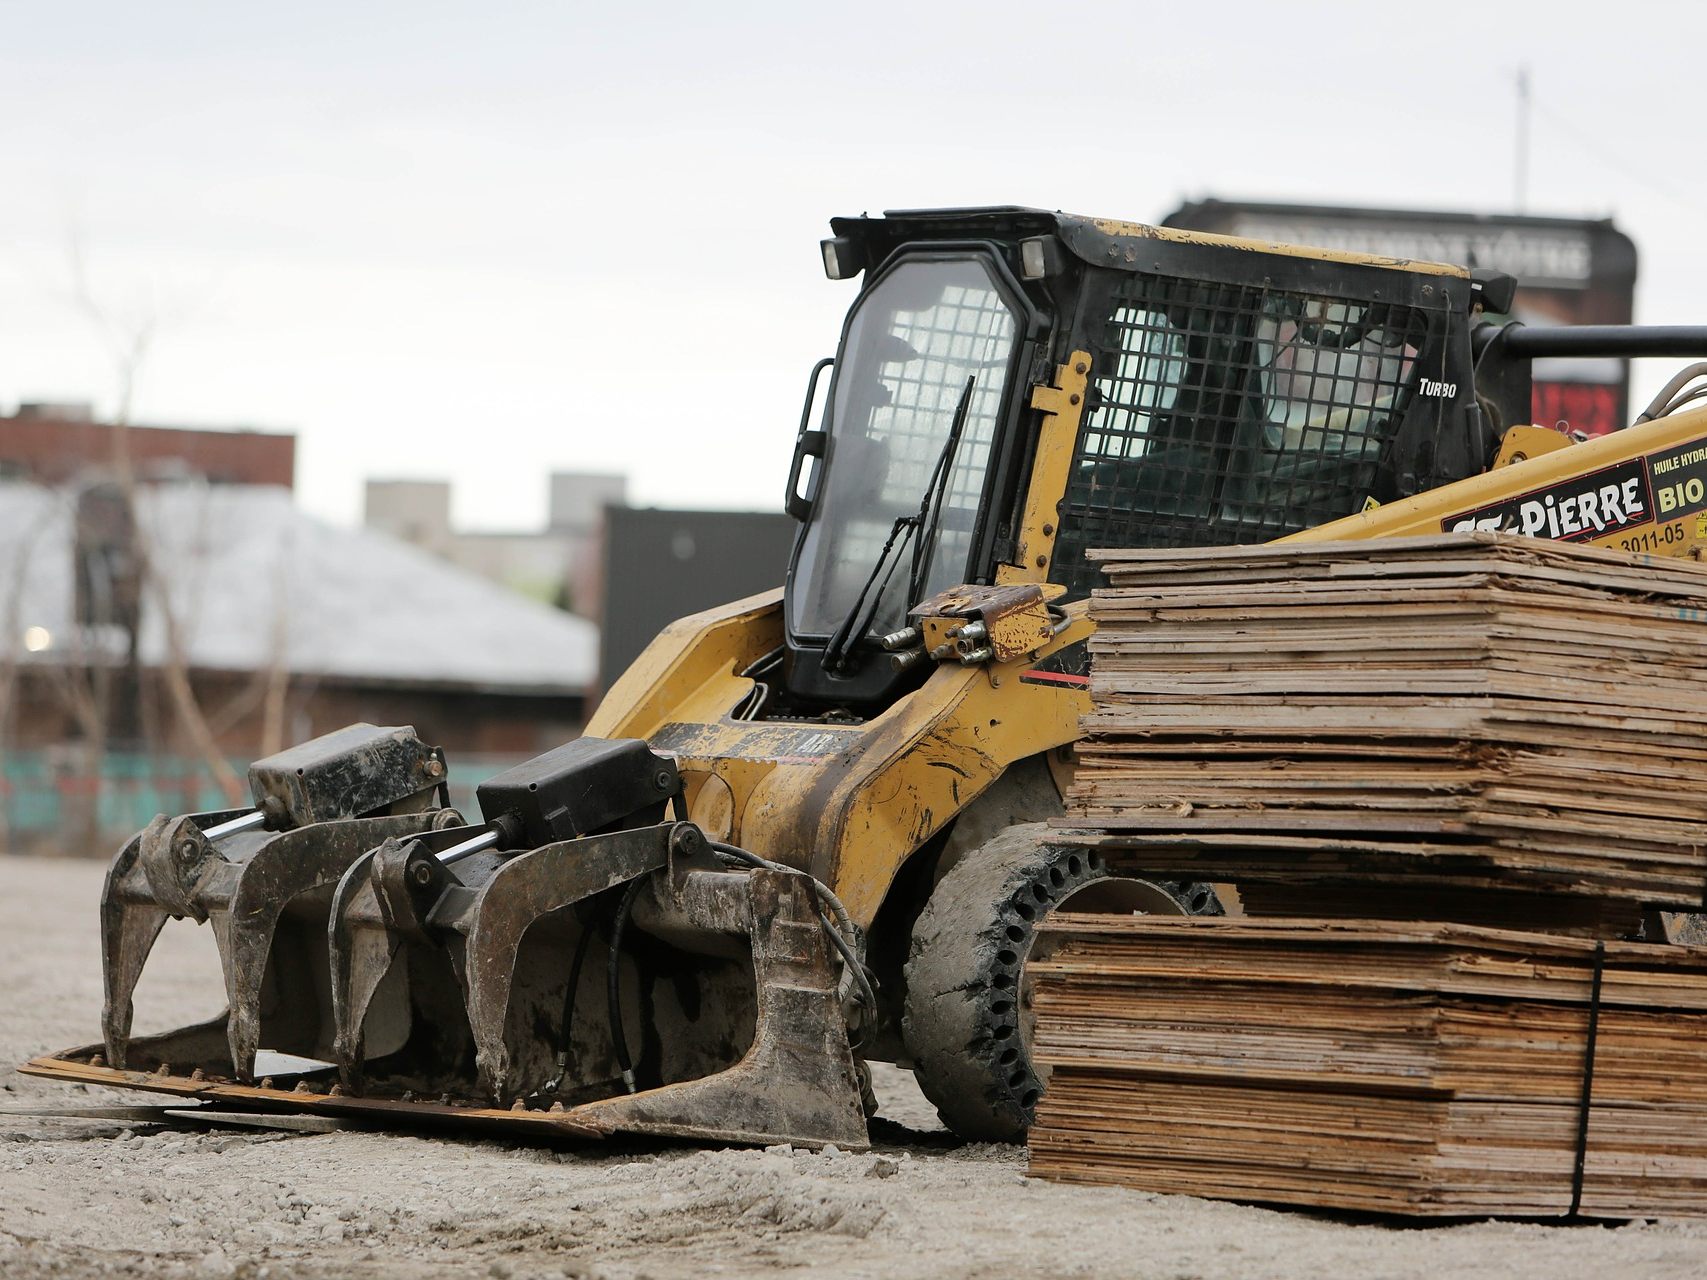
{"type": "Point", "coordinates": [835, 653]}
{"type": "Point", "coordinates": [930, 525]}
{"type": "Point", "coordinates": [928, 518]}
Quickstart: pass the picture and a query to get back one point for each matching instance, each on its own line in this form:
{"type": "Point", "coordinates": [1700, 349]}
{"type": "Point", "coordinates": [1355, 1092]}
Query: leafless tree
{"type": "Point", "coordinates": [98, 667]}
{"type": "Point", "coordinates": [129, 334]}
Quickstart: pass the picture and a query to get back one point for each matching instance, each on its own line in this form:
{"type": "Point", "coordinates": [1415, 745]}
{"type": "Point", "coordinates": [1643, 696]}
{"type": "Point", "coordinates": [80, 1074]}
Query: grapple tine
{"type": "Point", "coordinates": [288, 866]}
{"type": "Point", "coordinates": [128, 931]}
{"type": "Point", "coordinates": [518, 894]}
{"type": "Point", "coordinates": [361, 953]}
{"type": "Point", "coordinates": [797, 1082]}
{"type": "Point", "coordinates": [131, 919]}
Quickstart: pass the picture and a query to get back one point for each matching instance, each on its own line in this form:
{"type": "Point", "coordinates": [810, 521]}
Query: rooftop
{"type": "Point", "coordinates": [253, 581]}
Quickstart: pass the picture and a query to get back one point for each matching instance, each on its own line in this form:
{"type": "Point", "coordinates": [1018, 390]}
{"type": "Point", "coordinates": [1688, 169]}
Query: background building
{"type": "Point", "coordinates": [55, 444]}
{"type": "Point", "coordinates": [631, 570]}
{"type": "Point", "coordinates": [558, 564]}
{"type": "Point", "coordinates": [662, 565]}
{"type": "Point", "coordinates": [150, 648]}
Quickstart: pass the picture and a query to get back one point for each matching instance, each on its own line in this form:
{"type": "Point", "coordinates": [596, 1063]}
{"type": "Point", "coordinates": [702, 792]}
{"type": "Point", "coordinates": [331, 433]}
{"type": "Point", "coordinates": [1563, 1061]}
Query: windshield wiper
{"type": "Point", "coordinates": [935, 495]}
{"type": "Point", "coordinates": [927, 518]}
{"type": "Point", "coordinates": [835, 653]}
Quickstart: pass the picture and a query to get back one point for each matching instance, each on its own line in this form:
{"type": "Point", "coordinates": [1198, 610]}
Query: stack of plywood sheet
{"type": "Point", "coordinates": [1460, 715]}
{"type": "Point", "coordinates": [1415, 1068]}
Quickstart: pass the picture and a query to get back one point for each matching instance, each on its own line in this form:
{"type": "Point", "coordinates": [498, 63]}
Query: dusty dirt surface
{"type": "Point", "coordinates": [79, 1198]}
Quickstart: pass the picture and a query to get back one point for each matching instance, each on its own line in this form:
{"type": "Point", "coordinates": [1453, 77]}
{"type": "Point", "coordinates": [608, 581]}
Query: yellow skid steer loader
{"type": "Point", "coordinates": [802, 831]}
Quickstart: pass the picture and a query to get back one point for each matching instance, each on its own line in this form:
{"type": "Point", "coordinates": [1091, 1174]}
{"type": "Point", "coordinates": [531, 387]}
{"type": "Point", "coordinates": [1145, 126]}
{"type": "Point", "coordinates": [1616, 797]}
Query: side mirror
{"type": "Point", "coordinates": [808, 444]}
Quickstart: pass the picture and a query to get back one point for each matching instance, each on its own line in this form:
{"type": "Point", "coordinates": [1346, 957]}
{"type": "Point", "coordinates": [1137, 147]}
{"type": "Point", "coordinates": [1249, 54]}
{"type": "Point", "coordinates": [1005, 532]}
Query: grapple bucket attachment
{"type": "Point", "coordinates": [618, 980]}
{"type": "Point", "coordinates": [263, 880]}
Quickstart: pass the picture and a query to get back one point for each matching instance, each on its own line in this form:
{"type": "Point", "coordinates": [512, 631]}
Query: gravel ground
{"type": "Point", "coordinates": [107, 1199]}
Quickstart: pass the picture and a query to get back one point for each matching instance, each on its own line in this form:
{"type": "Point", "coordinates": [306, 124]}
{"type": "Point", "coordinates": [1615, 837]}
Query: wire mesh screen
{"type": "Point", "coordinates": [1231, 413]}
{"type": "Point", "coordinates": [968, 334]}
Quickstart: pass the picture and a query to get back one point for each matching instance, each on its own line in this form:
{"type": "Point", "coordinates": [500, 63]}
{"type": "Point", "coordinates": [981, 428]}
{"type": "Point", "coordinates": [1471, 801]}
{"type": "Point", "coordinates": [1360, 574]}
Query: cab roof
{"type": "Point", "coordinates": [1104, 242]}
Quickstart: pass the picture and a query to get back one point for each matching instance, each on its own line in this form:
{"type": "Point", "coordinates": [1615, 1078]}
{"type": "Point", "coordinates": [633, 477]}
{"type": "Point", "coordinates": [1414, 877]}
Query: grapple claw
{"type": "Point", "coordinates": [264, 891]}
{"type": "Point", "coordinates": [577, 963]}
{"type": "Point", "coordinates": [133, 912]}
{"type": "Point", "coordinates": [797, 1081]}
{"type": "Point", "coordinates": [376, 913]}
{"type": "Point", "coordinates": [519, 893]}
{"type": "Point", "coordinates": [274, 915]}
{"type": "Point", "coordinates": [130, 922]}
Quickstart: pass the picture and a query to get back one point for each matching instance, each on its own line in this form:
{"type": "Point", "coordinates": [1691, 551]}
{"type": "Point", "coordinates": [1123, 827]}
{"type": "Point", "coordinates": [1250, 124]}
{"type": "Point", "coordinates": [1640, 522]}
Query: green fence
{"type": "Point", "coordinates": [49, 801]}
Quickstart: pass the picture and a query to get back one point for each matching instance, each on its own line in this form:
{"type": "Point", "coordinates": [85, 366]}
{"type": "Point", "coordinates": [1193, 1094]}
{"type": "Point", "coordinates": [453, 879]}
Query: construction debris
{"type": "Point", "coordinates": [1418, 1068]}
{"type": "Point", "coordinates": [1460, 715]}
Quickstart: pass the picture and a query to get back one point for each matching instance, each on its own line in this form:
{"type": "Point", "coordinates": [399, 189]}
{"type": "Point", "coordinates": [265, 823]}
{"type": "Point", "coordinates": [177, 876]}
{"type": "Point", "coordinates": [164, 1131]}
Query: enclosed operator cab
{"type": "Point", "coordinates": [1235, 392]}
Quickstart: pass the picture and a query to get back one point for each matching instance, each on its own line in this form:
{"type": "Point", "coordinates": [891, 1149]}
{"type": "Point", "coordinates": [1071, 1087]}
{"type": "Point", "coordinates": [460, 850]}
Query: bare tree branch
{"type": "Point", "coordinates": [129, 342]}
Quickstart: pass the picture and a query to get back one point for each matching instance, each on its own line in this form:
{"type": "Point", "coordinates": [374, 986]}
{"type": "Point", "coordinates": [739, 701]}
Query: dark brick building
{"type": "Point", "coordinates": [54, 444]}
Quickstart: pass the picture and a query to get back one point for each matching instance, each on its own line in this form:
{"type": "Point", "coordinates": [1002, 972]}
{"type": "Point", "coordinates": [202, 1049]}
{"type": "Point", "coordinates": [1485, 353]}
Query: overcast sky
{"type": "Point", "coordinates": [484, 241]}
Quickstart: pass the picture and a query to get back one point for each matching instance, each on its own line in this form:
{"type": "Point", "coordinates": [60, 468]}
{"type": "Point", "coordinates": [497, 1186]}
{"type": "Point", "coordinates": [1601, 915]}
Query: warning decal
{"type": "Point", "coordinates": [1679, 480]}
{"type": "Point", "coordinates": [1067, 668]}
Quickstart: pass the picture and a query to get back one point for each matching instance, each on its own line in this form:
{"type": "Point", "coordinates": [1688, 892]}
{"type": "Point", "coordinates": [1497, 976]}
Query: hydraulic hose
{"type": "Point", "coordinates": [841, 931]}
{"type": "Point", "coordinates": [1662, 403]}
{"type": "Point", "coordinates": [575, 966]}
{"type": "Point", "coordinates": [613, 975]}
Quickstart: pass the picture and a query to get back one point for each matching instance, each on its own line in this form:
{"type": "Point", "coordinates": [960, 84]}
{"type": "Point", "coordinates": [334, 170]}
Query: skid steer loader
{"type": "Point", "coordinates": [803, 829]}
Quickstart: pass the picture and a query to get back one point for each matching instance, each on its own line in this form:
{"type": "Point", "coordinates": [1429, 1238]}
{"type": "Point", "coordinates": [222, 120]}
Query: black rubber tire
{"type": "Point", "coordinates": [962, 1019]}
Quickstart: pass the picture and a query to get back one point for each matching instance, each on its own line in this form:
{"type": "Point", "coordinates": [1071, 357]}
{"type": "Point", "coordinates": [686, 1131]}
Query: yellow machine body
{"type": "Point", "coordinates": [852, 803]}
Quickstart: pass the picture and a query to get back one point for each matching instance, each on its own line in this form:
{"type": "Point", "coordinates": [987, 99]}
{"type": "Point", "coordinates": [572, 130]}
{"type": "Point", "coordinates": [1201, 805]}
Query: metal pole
{"type": "Point", "coordinates": [1533, 342]}
{"type": "Point", "coordinates": [468, 848]}
{"type": "Point", "coordinates": [1522, 168]}
{"type": "Point", "coordinates": [248, 822]}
